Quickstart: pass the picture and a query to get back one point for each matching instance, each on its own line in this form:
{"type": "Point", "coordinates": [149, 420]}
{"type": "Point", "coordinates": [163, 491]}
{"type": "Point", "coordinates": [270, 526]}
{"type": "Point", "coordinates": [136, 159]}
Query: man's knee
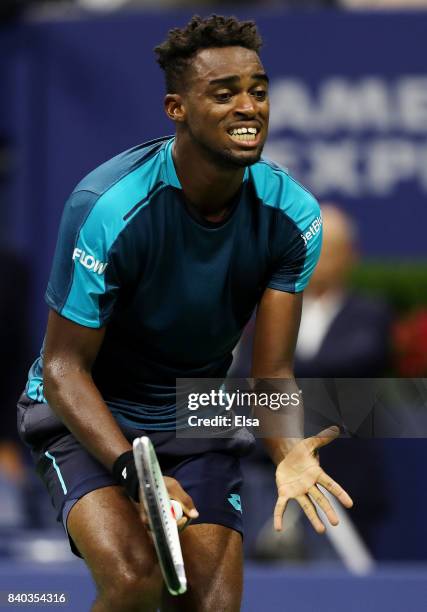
{"type": "Point", "coordinates": [132, 588]}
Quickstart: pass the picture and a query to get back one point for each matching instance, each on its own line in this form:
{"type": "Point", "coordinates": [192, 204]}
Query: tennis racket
{"type": "Point", "coordinates": [162, 522]}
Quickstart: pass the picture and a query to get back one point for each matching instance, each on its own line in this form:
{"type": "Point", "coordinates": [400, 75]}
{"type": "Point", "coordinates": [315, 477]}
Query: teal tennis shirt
{"type": "Point", "coordinates": [173, 292]}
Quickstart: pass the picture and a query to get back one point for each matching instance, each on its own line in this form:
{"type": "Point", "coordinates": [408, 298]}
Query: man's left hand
{"type": "Point", "coordinates": [298, 477]}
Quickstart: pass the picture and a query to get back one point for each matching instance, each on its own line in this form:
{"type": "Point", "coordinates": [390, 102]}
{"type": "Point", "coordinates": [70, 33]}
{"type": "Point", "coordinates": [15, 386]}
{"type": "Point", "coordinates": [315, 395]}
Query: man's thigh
{"type": "Point", "coordinates": [214, 566]}
{"type": "Point", "coordinates": [107, 530]}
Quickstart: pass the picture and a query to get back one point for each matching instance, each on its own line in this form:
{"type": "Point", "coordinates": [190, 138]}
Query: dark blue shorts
{"type": "Point", "coordinates": [207, 469]}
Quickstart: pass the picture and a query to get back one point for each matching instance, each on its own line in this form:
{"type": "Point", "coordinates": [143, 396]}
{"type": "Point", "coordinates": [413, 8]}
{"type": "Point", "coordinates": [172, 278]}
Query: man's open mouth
{"type": "Point", "coordinates": [244, 134]}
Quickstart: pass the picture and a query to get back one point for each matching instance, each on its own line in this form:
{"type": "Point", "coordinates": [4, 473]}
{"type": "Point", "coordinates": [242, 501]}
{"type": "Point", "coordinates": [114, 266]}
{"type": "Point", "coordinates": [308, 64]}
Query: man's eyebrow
{"type": "Point", "coordinates": [234, 78]}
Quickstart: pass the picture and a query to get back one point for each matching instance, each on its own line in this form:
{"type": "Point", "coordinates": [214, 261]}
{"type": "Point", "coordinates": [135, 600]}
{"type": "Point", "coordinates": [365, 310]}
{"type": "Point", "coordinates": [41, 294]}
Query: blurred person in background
{"type": "Point", "coordinates": [342, 334]}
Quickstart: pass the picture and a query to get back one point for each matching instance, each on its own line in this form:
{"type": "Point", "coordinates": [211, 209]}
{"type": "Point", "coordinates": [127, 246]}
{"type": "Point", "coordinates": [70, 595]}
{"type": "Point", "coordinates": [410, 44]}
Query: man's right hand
{"type": "Point", "coordinates": [177, 492]}
{"type": "Point", "coordinates": [124, 471]}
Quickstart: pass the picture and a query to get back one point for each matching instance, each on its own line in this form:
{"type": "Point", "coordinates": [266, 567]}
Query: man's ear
{"type": "Point", "coordinates": [174, 107]}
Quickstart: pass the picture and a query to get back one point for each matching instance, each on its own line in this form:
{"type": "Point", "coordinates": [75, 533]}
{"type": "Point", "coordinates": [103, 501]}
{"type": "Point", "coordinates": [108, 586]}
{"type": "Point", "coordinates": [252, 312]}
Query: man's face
{"type": "Point", "coordinates": [226, 104]}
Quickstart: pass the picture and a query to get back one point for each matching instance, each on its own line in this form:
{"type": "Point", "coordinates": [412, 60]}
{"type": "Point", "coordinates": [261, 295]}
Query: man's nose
{"type": "Point", "coordinates": [245, 104]}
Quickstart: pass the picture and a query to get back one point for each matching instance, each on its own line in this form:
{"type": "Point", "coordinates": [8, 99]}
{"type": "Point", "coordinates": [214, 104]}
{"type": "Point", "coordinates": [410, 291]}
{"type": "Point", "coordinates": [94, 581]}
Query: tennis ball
{"type": "Point", "coordinates": [176, 509]}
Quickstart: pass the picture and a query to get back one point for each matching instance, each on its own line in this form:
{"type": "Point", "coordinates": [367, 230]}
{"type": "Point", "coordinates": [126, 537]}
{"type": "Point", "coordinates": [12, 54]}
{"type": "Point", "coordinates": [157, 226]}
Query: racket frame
{"type": "Point", "coordinates": [156, 501]}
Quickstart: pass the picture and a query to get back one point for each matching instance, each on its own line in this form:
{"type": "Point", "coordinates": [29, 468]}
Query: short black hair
{"type": "Point", "coordinates": [175, 53]}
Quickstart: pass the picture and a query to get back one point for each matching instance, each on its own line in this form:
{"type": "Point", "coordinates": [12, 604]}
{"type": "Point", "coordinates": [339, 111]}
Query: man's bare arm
{"type": "Point", "coordinates": [70, 351]}
{"type": "Point", "coordinates": [276, 333]}
{"type": "Point", "coordinates": [298, 473]}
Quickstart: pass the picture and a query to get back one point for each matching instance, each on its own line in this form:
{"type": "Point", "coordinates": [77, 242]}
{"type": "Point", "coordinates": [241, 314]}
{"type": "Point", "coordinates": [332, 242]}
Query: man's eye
{"type": "Point", "coordinates": [223, 96]}
{"type": "Point", "coordinates": [260, 94]}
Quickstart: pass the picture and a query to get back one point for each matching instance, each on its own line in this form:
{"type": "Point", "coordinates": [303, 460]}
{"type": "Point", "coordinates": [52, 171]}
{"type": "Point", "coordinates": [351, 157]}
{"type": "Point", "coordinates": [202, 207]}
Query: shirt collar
{"type": "Point", "coordinates": [171, 175]}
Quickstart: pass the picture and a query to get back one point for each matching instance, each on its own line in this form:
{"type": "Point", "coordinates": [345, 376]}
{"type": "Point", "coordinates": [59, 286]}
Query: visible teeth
{"type": "Point", "coordinates": [242, 131]}
{"type": "Point", "coordinates": [246, 137]}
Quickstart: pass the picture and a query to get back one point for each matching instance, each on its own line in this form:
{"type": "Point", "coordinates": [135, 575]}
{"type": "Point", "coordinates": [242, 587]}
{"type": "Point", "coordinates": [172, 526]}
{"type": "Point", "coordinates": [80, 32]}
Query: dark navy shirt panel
{"type": "Point", "coordinates": [174, 293]}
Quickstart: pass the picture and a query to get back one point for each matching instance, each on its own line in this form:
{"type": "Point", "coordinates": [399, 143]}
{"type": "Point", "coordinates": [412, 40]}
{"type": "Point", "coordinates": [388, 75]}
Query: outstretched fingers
{"type": "Point", "coordinates": [336, 489]}
{"type": "Point", "coordinates": [311, 513]}
{"type": "Point", "coordinates": [324, 504]}
{"type": "Point", "coordinates": [279, 511]}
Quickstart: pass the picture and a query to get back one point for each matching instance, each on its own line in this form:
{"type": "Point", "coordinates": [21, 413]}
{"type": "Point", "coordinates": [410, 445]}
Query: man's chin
{"type": "Point", "coordinates": [240, 159]}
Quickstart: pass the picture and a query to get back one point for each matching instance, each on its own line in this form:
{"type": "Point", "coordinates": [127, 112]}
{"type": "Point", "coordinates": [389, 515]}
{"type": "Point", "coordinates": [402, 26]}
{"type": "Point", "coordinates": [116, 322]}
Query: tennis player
{"type": "Point", "coordinates": [163, 253]}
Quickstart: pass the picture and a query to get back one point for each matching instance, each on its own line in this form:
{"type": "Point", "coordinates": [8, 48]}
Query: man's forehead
{"type": "Point", "coordinates": [214, 63]}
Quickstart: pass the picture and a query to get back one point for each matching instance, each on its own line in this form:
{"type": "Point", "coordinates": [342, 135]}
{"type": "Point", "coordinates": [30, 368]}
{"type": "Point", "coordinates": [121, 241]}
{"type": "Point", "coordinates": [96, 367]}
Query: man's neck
{"type": "Point", "coordinates": [207, 187]}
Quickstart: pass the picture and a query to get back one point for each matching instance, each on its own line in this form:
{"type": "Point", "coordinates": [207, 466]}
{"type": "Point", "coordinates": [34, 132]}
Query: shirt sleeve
{"type": "Point", "coordinates": [84, 282]}
{"type": "Point", "coordinates": [294, 267]}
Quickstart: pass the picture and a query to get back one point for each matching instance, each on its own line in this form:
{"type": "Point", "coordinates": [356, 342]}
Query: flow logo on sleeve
{"type": "Point", "coordinates": [89, 262]}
